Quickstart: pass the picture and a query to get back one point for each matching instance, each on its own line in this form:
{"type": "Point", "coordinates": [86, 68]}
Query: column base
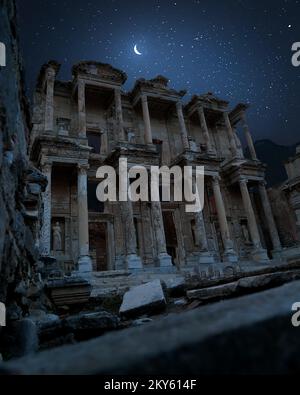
{"type": "Point", "coordinates": [133, 262]}
{"type": "Point", "coordinates": [277, 254]}
{"type": "Point", "coordinates": [85, 265]}
{"type": "Point", "coordinates": [230, 256]}
{"type": "Point", "coordinates": [206, 257]}
{"type": "Point", "coordinates": [259, 255]}
{"type": "Point", "coordinates": [165, 260]}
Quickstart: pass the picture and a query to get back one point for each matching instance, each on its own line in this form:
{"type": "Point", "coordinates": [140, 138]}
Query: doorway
{"type": "Point", "coordinates": [171, 235]}
{"type": "Point", "coordinates": [98, 246]}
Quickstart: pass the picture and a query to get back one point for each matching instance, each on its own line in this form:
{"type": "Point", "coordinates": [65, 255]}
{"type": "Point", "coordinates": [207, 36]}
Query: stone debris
{"type": "Point", "coordinates": [247, 335]}
{"type": "Point", "coordinates": [141, 321]}
{"type": "Point", "coordinates": [77, 328]}
{"type": "Point", "coordinates": [244, 285]}
{"type": "Point", "coordinates": [175, 286]}
{"type": "Point", "coordinates": [69, 291]}
{"type": "Point", "coordinates": [148, 298]}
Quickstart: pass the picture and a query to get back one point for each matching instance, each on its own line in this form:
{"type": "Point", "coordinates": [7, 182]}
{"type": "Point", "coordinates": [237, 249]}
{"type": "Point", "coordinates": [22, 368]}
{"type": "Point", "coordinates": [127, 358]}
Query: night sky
{"type": "Point", "coordinates": [240, 50]}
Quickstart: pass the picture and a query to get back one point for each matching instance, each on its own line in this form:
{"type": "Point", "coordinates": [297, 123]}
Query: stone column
{"type": "Point", "coordinates": [119, 114]}
{"type": "Point", "coordinates": [81, 109]}
{"type": "Point", "coordinates": [232, 140]}
{"type": "Point", "coordinates": [205, 129]}
{"type": "Point", "coordinates": [159, 231]}
{"type": "Point", "coordinates": [269, 217]}
{"type": "Point", "coordinates": [49, 110]}
{"type": "Point", "coordinates": [229, 254]}
{"type": "Point", "coordinates": [133, 261]}
{"type": "Point", "coordinates": [249, 138]}
{"type": "Point", "coordinates": [205, 255]}
{"type": "Point", "coordinates": [45, 237]}
{"type": "Point", "coordinates": [259, 253]}
{"type": "Point", "coordinates": [84, 263]}
{"type": "Point", "coordinates": [183, 130]}
{"type": "Point", "coordinates": [147, 122]}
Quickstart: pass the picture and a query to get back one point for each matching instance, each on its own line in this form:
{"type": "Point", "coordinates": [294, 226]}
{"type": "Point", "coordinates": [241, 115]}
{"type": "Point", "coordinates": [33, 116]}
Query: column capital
{"type": "Point", "coordinates": [179, 105]}
{"type": "Point", "coordinates": [46, 166]}
{"type": "Point", "coordinates": [200, 109]}
{"type": "Point", "coordinates": [83, 168]}
{"type": "Point", "coordinates": [81, 82]}
{"type": "Point", "coordinates": [262, 183]}
{"type": "Point", "coordinates": [244, 116]}
{"type": "Point", "coordinates": [226, 115]}
{"type": "Point", "coordinates": [50, 74]}
{"type": "Point", "coordinates": [144, 98]}
{"type": "Point", "coordinates": [216, 179]}
{"type": "Point", "coordinates": [243, 181]}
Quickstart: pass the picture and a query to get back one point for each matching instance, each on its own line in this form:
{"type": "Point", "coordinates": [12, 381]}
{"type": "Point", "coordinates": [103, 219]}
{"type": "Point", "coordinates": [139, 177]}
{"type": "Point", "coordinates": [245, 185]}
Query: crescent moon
{"type": "Point", "coordinates": [137, 52]}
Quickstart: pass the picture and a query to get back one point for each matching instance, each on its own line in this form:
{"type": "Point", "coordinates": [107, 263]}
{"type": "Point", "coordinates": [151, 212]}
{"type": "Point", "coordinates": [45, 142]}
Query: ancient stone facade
{"type": "Point", "coordinates": [285, 201]}
{"type": "Point", "coordinates": [91, 121]}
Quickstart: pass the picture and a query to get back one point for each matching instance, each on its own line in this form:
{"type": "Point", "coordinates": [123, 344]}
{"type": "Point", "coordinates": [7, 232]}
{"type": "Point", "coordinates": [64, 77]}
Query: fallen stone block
{"type": "Point", "coordinates": [82, 326]}
{"type": "Point", "coordinates": [144, 299]}
{"type": "Point", "coordinates": [86, 326]}
{"type": "Point", "coordinates": [268, 280]}
{"type": "Point", "coordinates": [243, 286]}
{"type": "Point", "coordinates": [220, 291]}
{"type": "Point", "coordinates": [175, 286]}
{"type": "Point", "coordinates": [69, 291]}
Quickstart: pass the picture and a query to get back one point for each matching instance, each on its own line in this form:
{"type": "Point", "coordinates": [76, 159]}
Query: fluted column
{"type": "Point", "coordinates": [269, 216]}
{"type": "Point", "coordinates": [158, 226]}
{"type": "Point", "coordinates": [249, 138]}
{"type": "Point", "coordinates": [119, 114]}
{"type": "Point", "coordinates": [133, 261]}
{"type": "Point", "coordinates": [81, 109]}
{"type": "Point", "coordinates": [84, 263]}
{"type": "Point", "coordinates": [147, 122]}
{"type": "Point", "coordinates": [221, 210]}
{"type": "Point", "coordinates": [229, 254]}
{"type": "Point", "coordinates": [250, 214]}
{"type": "Point", "coordinates": [45, 237]}
{"type": "Point", "coordinates": [232, 140]}
{"type": "Point", "coordinates": [183, 130]}
{"type": "Point", "coordinates": [205, 130]}
{"type": "Point", "coordinates": [201, 239]}
{"type": "Point", "coordinates": [49, 110]}
{"type": "Point", "coordinates": [258, 253]}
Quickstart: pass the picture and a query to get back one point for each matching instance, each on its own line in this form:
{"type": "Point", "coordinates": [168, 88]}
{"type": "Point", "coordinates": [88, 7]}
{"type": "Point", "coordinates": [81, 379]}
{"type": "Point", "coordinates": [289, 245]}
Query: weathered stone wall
{"type": "Point", "coordinates": [19, 183]}
{"type": "Point", "coordinates": [284, 217]}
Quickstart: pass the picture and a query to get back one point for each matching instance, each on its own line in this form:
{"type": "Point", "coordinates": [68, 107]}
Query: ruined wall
{"type": "Point", "coordinates": [284, 217]}
{"type": "Point", "coordinates": [19, 183]}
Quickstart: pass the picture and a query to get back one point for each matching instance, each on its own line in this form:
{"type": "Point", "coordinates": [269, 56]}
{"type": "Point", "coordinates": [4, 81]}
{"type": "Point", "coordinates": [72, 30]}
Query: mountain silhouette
{"type": "Point", "coordinates": [274, 156]}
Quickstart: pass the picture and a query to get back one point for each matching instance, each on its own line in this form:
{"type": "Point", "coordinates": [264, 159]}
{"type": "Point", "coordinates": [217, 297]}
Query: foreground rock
{"type": "Point", "coordinates": [144, 299]}
{"type": "Point", "coordinates": [77, 328]}
{"type": "Point", "coordinates": [249, 335]}
{"type": "Point", "coordinates": [20, 338]}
